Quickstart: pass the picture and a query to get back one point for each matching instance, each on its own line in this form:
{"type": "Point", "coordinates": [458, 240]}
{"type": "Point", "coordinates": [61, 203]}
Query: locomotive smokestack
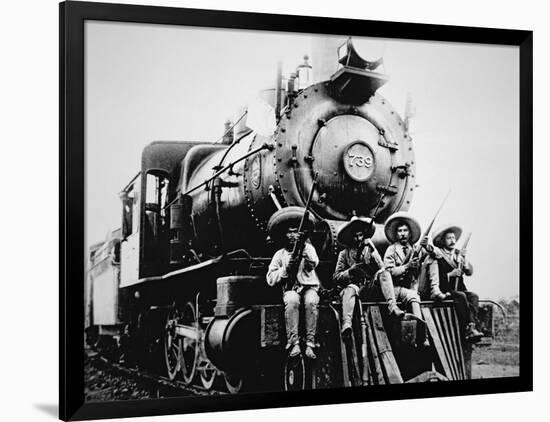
{"type": "Point", "coordinates": [353, 78]}
{"type": "Point", "coordinates": [324, 56]}
{"type": "Point", "coordinates": [358, 79]}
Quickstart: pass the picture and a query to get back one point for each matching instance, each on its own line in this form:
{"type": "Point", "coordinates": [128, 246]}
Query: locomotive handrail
{"type": "Point", "coordinates": [228, 166]}
{"type": "Point", "coordinates": [235, 252]}
{"type": "Point", "coordinates": [423, 302]}
{"type": "Point", "coordinates": [223, 170]}
{"type": "Point", "coordinates": [131, 182]}
{"type": "Point", "coordinates": [193, 267]}
{"type": "Point", "coordinates": [181, 270]}
{"type": "Point", "coordinates": [231, 128]}
{"type": "Point", "coordinates": [236, 141]}
{"type": "Point", "coordinates": [498, 305]}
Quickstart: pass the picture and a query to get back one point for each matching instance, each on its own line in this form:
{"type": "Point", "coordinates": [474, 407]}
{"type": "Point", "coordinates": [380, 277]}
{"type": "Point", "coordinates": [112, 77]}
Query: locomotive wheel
{"type": "Point", "coordinates": [295, 373]}
{"type": "Point", "coordinates": [172, 346]}
{"type": "Point", "coordinates": [233, 382]}
{"type": "Point", "coordinates": [190, 347]}
{"type": "Point", "coordinates": [208, 376]}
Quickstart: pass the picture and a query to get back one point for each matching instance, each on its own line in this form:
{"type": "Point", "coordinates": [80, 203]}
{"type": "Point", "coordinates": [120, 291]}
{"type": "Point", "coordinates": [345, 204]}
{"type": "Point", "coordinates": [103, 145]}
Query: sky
{"type": "Point", "coordinates": [153, 82]}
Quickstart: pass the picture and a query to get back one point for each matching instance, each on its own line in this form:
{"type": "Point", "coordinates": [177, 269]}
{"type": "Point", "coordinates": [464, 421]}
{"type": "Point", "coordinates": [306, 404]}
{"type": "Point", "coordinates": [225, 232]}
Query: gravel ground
{"type": "Point", "coordinates": [495, 361]}
{"type": "Point", "coordinates": [105, 384]}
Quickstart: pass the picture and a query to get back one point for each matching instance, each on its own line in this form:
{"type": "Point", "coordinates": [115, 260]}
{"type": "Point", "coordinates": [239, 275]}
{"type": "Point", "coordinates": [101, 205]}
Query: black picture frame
{"type": "Point", "coordinates": [72, 16]}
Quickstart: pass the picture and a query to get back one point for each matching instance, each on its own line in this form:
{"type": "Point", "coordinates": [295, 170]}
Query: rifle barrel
{"type": "Point", "coordinates": [467, 240]}
{"type": "Point", "coordinates": [308, 204]}
{"type": "Point", "coordinates": [429, 228]}
{"type": "Point", "coordinates": [298, 248]}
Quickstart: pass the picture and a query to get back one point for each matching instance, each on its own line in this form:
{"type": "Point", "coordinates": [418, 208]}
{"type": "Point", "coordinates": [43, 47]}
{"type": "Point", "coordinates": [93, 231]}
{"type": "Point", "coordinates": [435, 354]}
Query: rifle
{"type": "Point", "coordinates": [376, 255]}
{"type": "Point", "coordinates": [298, 248]}
{"type": "Point", "coordinates": [417, 248]}
{"type": "Point", "coordinates": [419, 274]}
{"type": "Point", "coordinates": [360, 259]}
{"type": "Point", "coordinates": [460, 265]}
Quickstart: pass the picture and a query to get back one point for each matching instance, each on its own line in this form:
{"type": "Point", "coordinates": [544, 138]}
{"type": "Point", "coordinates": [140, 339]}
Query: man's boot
{"type": "Point", "coordinates": [386, 285]}
{"type": "Point", "coordinates": [421, 337]}
{"type": "Point", "coordinates": [346, 332]}
{"type": "Point", "coordinates": [310, 354]}
{"type": "Point", "coordinates": [295, 351]}
{"type": "Point", "coordinates": [395, 311]}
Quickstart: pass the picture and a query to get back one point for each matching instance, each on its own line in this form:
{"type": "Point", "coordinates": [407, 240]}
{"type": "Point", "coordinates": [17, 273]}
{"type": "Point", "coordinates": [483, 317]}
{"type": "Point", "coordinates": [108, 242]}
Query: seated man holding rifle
{"type": "Point", "coordinates": [293, 267]}
{"type": "Point", "coordinates": [360, 272]}
{"type": "Point", "coordinates": [404, 258]}
{"type": "Point", "coordinates": [446, 277]}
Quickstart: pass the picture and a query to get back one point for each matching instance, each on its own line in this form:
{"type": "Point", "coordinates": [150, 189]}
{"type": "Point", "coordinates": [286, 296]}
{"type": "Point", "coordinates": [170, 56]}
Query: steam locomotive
{"type": "Point", "coordinates": [184, 288]}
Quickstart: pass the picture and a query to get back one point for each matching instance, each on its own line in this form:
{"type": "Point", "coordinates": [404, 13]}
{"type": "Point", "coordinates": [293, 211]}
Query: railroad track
{"type": "Point", "coordinates": [163, 386]}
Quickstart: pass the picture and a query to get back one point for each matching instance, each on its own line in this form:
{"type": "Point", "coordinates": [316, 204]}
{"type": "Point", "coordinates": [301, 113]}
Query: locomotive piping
{"type": "Point", "coordinates": [131, 181]}
{"type": "Point", "coordinates": [223, 170]}
{"type": "Point", "coordinates": [236, 141]}
{"type": "Point", "coordinates": [231, 128]}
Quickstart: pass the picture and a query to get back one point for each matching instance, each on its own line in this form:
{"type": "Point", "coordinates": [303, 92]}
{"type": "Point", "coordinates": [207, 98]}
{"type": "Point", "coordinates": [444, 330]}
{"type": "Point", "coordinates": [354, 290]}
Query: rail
{"type": "Point", "coordinates": [148, 377]}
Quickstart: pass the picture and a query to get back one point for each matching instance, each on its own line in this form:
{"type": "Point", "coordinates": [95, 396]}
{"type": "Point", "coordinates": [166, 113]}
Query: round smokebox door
{"type": "Point", "coordinates": [342, 148]}
{"type": "Point", "coordinates": [346, 156]}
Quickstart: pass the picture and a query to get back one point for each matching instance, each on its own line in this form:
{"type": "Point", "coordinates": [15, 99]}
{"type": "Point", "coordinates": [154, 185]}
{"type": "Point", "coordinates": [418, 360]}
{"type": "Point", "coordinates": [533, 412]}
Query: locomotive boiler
{"type": "Point", "coordinates": [194, 246]}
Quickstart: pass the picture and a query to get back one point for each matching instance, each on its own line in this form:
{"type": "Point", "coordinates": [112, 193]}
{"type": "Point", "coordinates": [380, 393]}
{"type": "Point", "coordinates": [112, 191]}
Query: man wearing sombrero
{"type": "Point", "coordinates": [283, 229]}
{"type": "Point", "coordinates": [403, 231]}
{"type": "Point", "coordinates": [447, 280]}
{"type": "Point", "coordinates": [359, 271]}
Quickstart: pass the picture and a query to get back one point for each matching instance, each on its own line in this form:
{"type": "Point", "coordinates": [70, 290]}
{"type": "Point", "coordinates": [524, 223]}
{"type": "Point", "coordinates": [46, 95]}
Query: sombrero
{"type": "Point", "coordinates": [356, 224]}
{"type": "Point", "coordinates": [284, 218]}
{"type": "Point", "coordinates": [398, 219]}
{"type": "Point", "coordinates": [439, 234]}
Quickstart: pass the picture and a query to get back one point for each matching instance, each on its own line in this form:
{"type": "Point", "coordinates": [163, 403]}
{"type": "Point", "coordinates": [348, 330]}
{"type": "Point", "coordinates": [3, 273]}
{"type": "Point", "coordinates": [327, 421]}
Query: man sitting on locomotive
{"type": "Point", "coordinates": [360, 272]}
{"type": "Point", "coordinates": [447, 280]}
{"type": "Point", "coordinates": [284, 229]}
{"type": "Point", "coordinates": [401, 260]}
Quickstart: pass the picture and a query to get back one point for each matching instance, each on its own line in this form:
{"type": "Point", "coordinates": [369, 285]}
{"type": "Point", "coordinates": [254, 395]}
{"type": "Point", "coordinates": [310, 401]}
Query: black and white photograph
{"type": "Point", "coordinates": [277, 211]}
{"type": "Point", "coordinates": [269, 211]}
